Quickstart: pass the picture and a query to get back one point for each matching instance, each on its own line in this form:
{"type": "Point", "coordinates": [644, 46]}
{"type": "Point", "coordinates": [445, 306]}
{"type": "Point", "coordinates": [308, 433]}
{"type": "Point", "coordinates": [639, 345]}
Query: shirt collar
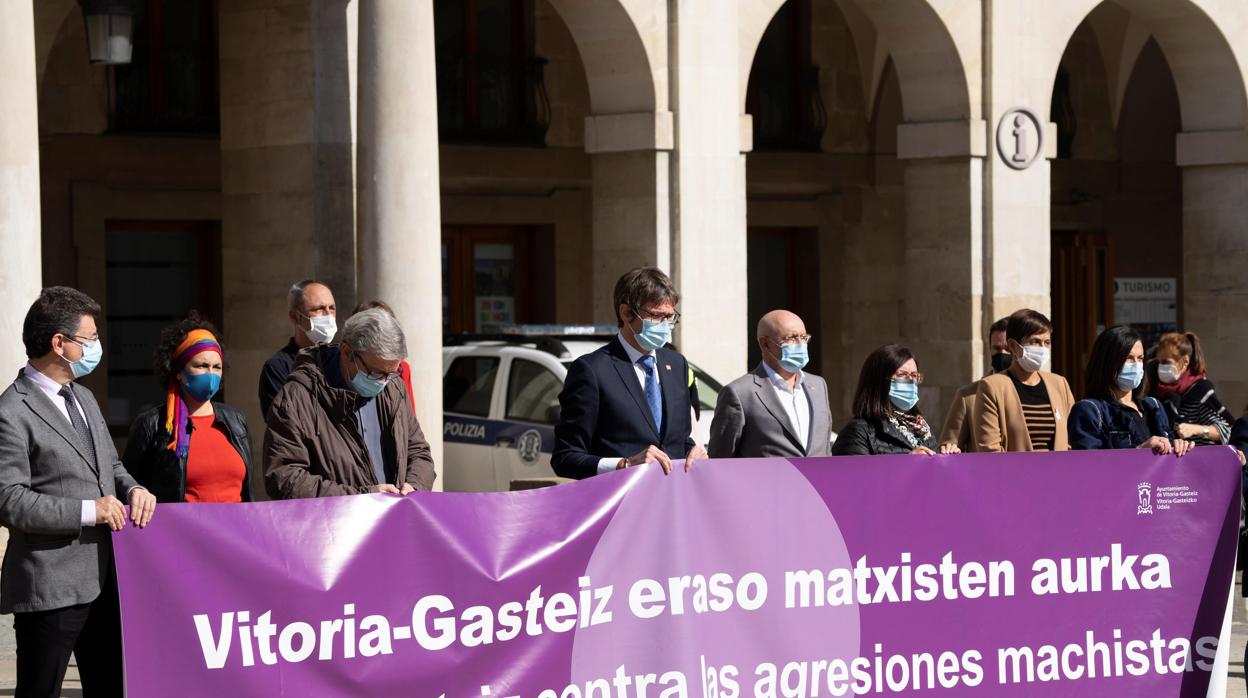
{"type": "Point", "coordinates": [778, 380]}
{"type": "Point", "coordinates": [50, 387]}
{"type": "Point", "coordinates": [633, 355]}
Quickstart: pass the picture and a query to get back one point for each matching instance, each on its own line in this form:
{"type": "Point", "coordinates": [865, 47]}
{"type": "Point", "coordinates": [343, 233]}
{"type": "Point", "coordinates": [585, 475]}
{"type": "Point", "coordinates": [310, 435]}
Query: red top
{"type": "Point", "coordinates": [405, 372]}
{"type": "Point", "coordinates": [214, 470]}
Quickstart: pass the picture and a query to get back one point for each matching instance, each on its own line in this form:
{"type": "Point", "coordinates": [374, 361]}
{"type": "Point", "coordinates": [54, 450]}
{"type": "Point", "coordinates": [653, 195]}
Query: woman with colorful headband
{"type": "Point", "coordinates": [191, 449]}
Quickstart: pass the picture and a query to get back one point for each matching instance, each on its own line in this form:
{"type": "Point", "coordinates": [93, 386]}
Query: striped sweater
{"type": "Point", "coordinates": [1199, 405]}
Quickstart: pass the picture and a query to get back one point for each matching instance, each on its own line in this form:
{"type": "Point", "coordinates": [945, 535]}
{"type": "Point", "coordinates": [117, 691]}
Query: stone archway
{"type": "Point", "coordinates": [930, 296]}
{"type": "Point", "coordinates": [623, 46]}
{"type": "Point", "coordinates": [1198, 46]}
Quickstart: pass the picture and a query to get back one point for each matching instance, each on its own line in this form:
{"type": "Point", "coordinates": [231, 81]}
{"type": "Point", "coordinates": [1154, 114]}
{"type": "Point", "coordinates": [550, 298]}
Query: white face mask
{"type": "Point", "coordinates": [1033, 358]}
{"type": "Point", "coordinates": [1168, 373]}
{"type": "Point", "coordinates": [323, 329]}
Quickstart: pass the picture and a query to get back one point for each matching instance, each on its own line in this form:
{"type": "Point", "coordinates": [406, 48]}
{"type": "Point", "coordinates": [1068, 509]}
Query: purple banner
{"type": "Point", "coordinates": [1074, 574]}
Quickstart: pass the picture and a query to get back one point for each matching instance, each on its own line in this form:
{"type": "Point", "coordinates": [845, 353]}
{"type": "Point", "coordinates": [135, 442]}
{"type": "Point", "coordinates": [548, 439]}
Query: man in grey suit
{"type": "Point", "coordinates": [777, 409]}
{"type": "Point", "coordinates": [59, 481]}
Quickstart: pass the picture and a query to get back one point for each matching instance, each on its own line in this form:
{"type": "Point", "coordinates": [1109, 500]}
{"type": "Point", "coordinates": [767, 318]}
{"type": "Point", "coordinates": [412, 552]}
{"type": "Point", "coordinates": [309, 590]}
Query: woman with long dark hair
{"type": "Point", "coordinates": [190, 448]}
{"type": "Point", "coordinates": [1116, 413]}
{"type": "Point", "coordinates": [886, 413]}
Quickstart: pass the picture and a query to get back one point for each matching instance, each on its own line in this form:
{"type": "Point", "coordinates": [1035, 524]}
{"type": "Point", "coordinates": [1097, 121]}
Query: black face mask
{"type": "Point", "coordinates": [1001, 362]}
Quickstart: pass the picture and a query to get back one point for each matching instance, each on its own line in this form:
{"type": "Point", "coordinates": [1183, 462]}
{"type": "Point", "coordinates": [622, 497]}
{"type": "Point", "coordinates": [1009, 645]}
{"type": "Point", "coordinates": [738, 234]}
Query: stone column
{"type": "Point", "coordinates": [399, 223]}
{"type": "Point", "coordinates": [942, 316]}
{"type": "Point", "coordinates": [287, 190]}
{"type": "Point", "coordinates": [1215, 254]}
{"type": "Point", "coordinates": [20, 272]}
{"type": "Point", "coordinates": [708, 232]}
{"type": "Point", "coordinates": [630, 164]}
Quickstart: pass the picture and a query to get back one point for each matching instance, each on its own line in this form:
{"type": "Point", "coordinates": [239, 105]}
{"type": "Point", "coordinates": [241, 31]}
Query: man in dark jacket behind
{"type": "Point", "coordinates": [341, 424]}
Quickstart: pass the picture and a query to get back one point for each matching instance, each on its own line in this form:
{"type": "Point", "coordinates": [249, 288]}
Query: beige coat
{"type": "Point", "coordinates": [997, 418]}
{"type": "Point", "coordinates": [957, 428]}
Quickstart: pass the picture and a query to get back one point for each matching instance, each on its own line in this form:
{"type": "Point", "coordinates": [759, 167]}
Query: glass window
{"type": "Point", "coordinates": [468, 386]}
{"type": "Point", "coordinates": [140, 256]}
{"type": "Point", "coordinates": [532, 392]}
{"type": "Point", "coordinates": [708, 390]}
{"type": "Point", "coordinates": [783, 93]}
{"type": "Point", "coordinates": [490, 83]}
{"type": "Point", "coordinates": [494, 284]}
{"type": "Point", "coordinates": [170, 84]}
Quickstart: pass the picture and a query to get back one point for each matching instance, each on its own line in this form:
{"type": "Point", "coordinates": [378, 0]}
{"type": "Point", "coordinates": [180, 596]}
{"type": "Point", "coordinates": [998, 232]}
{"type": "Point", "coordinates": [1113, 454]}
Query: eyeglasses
{"type": "Point", "coordinates": [793, 339]}
{"type": "Point", "coordinates": [80, 340]}
{"type": "Point", "coordinates": [907, 377]}
{"type": "Point", "coordinates": [375, 375]}
{"type": "Point", "coordinates": [673, 317]}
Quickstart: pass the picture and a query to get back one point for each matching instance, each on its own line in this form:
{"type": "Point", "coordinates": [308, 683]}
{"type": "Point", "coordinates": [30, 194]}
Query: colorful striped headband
{"type": "Point", "coordinates": [176, 414]}
{"type": "Point", "coordinates": [195, 342]}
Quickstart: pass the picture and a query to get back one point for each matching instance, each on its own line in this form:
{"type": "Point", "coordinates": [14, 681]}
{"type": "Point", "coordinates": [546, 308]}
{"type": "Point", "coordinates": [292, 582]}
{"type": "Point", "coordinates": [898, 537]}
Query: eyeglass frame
{"type": "Point", "coordinates": [792, 339]}
{"type": "Point", "coordinates": [673, 318]}
{"type": "Point", "coordinates": [386, 376]}
{"type": "Point", "coordinates": [915, 377]}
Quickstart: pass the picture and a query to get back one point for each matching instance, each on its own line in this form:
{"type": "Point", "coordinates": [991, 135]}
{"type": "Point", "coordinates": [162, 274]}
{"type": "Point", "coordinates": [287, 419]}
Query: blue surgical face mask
{"type": "Point", "coordinates": [201, 386]}
{"type": "Point", "coordinates": [654, 334]}
{"type": "Point", "coordinates": [1130, 376]}
{"type": "Point", "coordinates": [903, 394]}
{"type": "Point", "coordinates": [363, 384]}
{"type": "Point", "coordinates": [793, 357]}
{"type": "Point", "coordinates": [92, 352]}
{"type": "Point", "coordinates": [366, 386]}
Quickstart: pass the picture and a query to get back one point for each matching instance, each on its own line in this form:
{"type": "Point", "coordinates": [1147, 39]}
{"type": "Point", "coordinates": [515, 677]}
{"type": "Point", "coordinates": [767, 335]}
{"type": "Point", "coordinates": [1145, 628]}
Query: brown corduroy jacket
{"type": "Point", "coordinates": [997, 418]}
{"type": "Point", "coordinates": [313, 447]}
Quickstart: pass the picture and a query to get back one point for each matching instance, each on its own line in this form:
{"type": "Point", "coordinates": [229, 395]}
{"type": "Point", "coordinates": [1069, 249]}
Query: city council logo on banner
{"type": "Point", "coordinates": [1145, 492]}
{"type": "Point", "coordinates": [1020, 138]}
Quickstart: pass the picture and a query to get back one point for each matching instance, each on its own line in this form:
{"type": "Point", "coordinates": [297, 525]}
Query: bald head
{"type": "Point", "coordinates": [775, 329]}
{"type": "Point", "coordinates": [779, 324]}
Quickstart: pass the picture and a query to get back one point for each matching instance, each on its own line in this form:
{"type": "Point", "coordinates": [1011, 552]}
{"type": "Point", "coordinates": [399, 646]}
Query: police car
{"type": "Point", "coordinates": [500, 397]}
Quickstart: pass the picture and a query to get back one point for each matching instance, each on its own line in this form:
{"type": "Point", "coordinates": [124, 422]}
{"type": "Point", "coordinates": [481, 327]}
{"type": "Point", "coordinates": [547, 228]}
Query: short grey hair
{"type": "Point", "coordinates": [377, 332]}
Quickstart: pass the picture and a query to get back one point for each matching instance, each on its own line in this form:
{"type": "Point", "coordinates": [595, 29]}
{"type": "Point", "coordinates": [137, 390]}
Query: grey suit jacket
{"type": "Point", "coordinates": [45, 473]}
{"type": "Point", "coordinates": [750, 421]}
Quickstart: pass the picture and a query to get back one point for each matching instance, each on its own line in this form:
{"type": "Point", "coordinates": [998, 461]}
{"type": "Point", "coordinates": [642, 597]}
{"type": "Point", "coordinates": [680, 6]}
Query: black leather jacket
{"type": "Point", "coordinates": [875, 437]}
{"type": "Point", "coordinates": [160, 470]}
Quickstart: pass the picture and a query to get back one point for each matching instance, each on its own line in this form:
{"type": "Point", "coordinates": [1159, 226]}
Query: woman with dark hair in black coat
{"type": "Point", "coordinates": [886, 414]}
{"type": "Point", "coordinates": [190, 448]}
{"type": "Point", "coordinates": [1116, 413]}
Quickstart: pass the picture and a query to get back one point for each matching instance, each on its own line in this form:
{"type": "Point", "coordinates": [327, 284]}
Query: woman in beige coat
{"type": "Point", "coordinates": [1024, 408]}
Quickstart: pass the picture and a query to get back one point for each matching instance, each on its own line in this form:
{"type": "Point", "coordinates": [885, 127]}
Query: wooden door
{"type": "Point", "coordinates": [1082, 292]}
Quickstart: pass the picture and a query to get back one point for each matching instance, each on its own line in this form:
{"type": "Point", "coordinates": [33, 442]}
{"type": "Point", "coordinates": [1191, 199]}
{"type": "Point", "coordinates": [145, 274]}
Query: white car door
{"type": "Point", "coordinates": [471, 392]}
{"type": "Point", "coordinates": [530, 385]}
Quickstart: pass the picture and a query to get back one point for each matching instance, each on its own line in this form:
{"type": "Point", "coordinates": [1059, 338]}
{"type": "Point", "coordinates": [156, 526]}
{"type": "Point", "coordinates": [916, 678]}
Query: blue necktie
{"type": "Point", "coordinates": [653, 398]}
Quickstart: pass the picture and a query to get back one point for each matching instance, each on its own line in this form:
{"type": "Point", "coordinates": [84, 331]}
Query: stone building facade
{"type": "Point", "coordinates": [895, 170]}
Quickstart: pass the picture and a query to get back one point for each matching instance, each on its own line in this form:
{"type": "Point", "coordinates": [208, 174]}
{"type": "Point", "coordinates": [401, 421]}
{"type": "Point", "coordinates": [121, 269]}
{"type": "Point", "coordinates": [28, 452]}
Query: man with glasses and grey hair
{"type": "Point", "coordinates": [627, 403]}
{"type": "Point", "coordinates": [341, 424]}
{"type": "Point", "coordinates": [778, 409]}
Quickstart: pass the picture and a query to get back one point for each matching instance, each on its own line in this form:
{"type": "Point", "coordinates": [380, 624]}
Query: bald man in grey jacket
{"type": "Point", "coordinates": [776, 410]}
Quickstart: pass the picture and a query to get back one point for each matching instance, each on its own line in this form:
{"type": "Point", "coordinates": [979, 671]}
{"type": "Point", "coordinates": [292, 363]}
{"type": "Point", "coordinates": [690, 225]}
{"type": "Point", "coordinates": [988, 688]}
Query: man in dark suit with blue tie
{"type": "Point", "coordinates": [628, 402]}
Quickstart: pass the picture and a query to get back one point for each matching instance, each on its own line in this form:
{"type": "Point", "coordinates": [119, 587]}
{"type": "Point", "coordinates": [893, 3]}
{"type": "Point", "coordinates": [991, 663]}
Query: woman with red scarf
{"type": "Point", "coordinates": [1187, 393]}
{"type": "Point", "coordinates": [191, 448]}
